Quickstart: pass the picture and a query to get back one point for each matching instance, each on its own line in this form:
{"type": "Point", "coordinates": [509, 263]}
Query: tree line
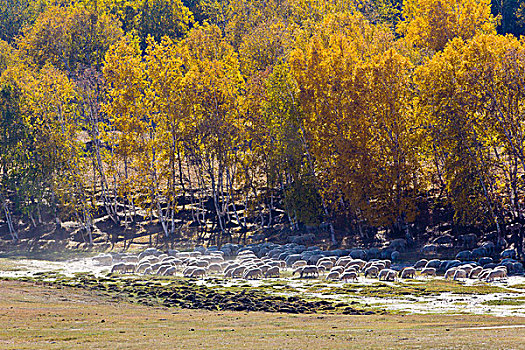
{"type": "Point", "coordinates": [344, 114]}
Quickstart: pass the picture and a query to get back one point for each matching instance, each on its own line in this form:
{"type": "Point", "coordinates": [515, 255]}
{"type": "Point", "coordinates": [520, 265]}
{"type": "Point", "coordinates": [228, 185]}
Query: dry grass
{"type": "Point", "coordinates": [36, 317]}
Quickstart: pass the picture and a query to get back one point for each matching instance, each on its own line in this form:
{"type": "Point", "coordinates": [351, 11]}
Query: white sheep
{"type": "Point", "coordinates": [214, 268]}
{"type": "Point", "coordinates": [475, 272]}
{"type": "Point", "coordinates": [383, 274]}
{"type": "Point", "coordinates": [130, 259]}
{"type": "Point", "coordinates": [309, 271]}
{"type": "Point", "coordinates": [142, 267]}
{"type": "Point", "coordinates": [170, 258]}
{"type": "Point", "coordinates": [299, 263]}
{"type": "Point", "coordinates": [149, 259]}
{"type": "Point", "coordinates": [501, 267]}
{"type": "Point", "coordinates": [327, 264]}
{"type": "Point", "coordinates": [496, 273]}
{"type": "Point", "coordinates": [231, 267]}
{"type": "Point", "coordinates": [216, 259]}
{"type": "Point", "coordinates": [429, 249]}
{"type": "Point", "coordinates": [198, 272]}
{"type": "Point", "coordinates": [387, 263]}
{"type": "Point", "coordinates": [343, 261]}
{"type": "Point", "coordinates": [253, 273]}
{"type": "Point", "coordinates": [333, 275]}
{"type": "Point", "coordinates": [372, 271]}
{"type": "Point", "coordinates": [160, 271]}
{"type": "Point", "coordinates": [408, 272]}
{"type": "Point", "coordinates": [352, 268]}
{"type": "Point", "coordinates": [123, 267]}
{"type": "Point", "coordinates": [450, 273]}
{"type": "Point", "coordinates": [171, 271]}
{"type": "Point", "coordinates": [228, 274]}
{"type": "Point", "coordinates": [238, 271]}
{"type": "Point", "coordinates": [339, 269]}
{"type": "Point", "coordinates": [323, 259]}
{"type": "Point", "coordinates": [297, 271]}
{"type": "Point", "coordinates": [467, 268]}
{"type": "Point", "coordinates": [460, 273]}
{"type": "Point", "coordinates": [245, 252]}
{"type": "Point", "coordinates": [183, 255]}
{"type": "Point", "coordinates": [391, 275]}
{"type": "Point", "coordinates": [199, 263]}
{"type": "Point", "coordinates": [347, 276]}
{"type": "Point", "coordinates": [428, 271]}
{"type": "Point", "coordinates": [379, 265]}
{"type": "Point", "coordinates": [420, 264]}
{"type": "Point", "coordinates": [484, 273]}
{"type": "Point", "coordinates": [264, 268]}
{"type": "Point", "coordinates": [279, 263]}
{"type": "Point", "coordinates": [273, 272]}
{"type": "Point", "coordinates": [156, 266]}
{"type": "Point", "coordinates": [356, 262]}
{"type": "Point", "coordinates": [367, 265]}
{"type": "Point", "coordinates": [188, 271]}
{"type": "Point", "coordinates": [118, 267]}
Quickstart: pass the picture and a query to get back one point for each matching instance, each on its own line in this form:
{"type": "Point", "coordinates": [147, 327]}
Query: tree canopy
{"type": "Point", "coordinates": [249, 116]}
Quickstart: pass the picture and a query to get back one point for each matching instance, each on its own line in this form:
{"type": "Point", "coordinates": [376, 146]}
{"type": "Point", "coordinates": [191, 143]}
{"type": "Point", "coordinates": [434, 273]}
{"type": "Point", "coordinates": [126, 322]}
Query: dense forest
{"type": "Point", "coordinates": [221, 119]}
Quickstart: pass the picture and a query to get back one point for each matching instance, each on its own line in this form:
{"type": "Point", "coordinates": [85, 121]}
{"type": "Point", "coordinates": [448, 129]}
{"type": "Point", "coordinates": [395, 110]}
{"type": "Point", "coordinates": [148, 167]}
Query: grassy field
{"type": "Point", "coordinates": [37, 317]}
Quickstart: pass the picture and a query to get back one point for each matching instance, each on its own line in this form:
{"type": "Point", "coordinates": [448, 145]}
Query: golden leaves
{"type": "Point", "coordinates": [69, 38]}
{"type": "Point", "coordinates": [431, 24]}
{"type": "Point", "coordinates": [357, 95]}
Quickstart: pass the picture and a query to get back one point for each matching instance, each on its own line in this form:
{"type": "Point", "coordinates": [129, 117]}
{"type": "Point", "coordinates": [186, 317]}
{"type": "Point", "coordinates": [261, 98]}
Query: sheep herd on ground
{"type": "Point", "coordinates": [269, 260]}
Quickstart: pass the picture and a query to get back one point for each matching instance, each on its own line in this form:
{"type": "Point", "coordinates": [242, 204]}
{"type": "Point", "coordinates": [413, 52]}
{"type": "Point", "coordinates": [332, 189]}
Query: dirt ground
{"type": "Point", "coordinates": [37, 317]}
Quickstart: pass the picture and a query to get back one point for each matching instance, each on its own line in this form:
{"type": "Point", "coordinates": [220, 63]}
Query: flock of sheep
{"type": "Point", "coordinates": [269, 262]}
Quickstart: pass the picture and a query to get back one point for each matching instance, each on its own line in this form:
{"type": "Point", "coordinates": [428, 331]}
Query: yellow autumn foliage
{"type": "Point", "coordinates": [430, 24]}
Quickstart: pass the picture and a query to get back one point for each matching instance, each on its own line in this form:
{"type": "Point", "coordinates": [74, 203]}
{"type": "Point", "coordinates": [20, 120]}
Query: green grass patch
{"type": "Point", "coordinates": [504, 302]}
{"type": "Point", "coordinates": [455, 287]}
{"type": "Point", "coordinates": [173, 292]}
{"type": "Point", "coordinates": [11, 265]}
{"type": "Point", "coordinates": [414, 289]}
